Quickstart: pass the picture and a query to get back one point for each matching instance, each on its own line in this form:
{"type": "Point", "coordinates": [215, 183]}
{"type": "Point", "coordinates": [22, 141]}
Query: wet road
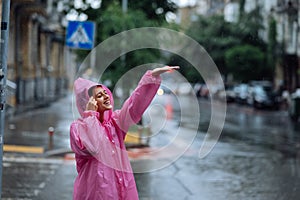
{"type": "Point", "coordinates": [257, 156]}
{"type": "Point", "coordinates": [31, 128]}
{"type": "Point", "coordinates": [36, 176]}
{"type": "Point", "coordinates": [265, 128]}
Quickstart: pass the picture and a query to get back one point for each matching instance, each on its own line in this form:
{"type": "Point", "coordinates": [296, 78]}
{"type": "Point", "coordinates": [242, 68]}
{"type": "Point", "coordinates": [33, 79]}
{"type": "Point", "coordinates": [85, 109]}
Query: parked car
{"type": "Point", "coordinates": [263, 96]}
{"type": "Point", "coordinates": [184, 89]}
{"type": "Point", "coordinates": [241, 93]}
{"type": "Point", "coordinates": [197, 88]}
{"type": "Point", "coordinates": [228, 94]}
{"type": "Point", "coordinates": [201, 90]}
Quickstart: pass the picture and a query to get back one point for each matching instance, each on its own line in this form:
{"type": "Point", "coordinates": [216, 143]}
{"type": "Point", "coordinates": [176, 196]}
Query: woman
{"type": "Point", "coordinates": [97, 138]}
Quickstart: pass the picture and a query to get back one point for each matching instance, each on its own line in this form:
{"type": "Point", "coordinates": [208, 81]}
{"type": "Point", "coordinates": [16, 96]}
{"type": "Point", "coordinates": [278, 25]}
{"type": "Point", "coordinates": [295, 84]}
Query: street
{"type": "Point", "coordinates": [257, 156]}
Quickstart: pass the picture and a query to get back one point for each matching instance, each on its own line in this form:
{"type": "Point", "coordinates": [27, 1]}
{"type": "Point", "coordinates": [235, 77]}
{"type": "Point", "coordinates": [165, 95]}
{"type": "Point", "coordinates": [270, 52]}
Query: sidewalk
{"type": "Point", "coordinates": [32, 169]}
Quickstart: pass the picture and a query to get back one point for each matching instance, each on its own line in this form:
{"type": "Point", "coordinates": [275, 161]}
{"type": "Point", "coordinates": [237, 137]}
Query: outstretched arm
{"type": "Point", "coordinates": [158, 71]}
{"type": "Point", "coordinates": [134, 107]}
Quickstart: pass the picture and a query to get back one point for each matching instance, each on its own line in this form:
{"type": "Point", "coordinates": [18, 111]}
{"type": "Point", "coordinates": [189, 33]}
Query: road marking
{"type": "Point", "coordinates": [23, 149]}
{"type": "Point", "coordinates": [33, 160]}
{"type": "Point", "coordinates": [132, 138]}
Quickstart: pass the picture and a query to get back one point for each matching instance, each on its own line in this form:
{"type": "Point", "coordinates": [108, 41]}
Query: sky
{"type": "Point", "coordinates": [96, 3]}
{"type": "Point", "coordinates": [184, 2]}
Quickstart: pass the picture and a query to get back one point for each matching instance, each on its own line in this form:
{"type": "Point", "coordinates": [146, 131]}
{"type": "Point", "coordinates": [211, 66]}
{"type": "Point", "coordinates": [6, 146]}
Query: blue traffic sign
{"type": "Point", "coordinates": [80, 35]}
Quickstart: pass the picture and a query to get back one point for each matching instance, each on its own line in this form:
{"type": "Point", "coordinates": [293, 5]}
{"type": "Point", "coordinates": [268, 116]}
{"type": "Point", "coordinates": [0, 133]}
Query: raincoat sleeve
{"type": "Point", "coordinates": [84, 134]}
{"type": "Point", "coordinates": [134, 107]}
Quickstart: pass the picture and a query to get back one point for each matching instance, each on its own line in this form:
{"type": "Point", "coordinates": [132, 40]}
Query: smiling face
{"type": "Point", "coordinates": [102, 98]}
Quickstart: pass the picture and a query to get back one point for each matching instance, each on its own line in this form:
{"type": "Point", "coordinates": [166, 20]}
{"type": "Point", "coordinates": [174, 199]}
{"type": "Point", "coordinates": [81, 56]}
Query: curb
{"type": "Point", "coordinates": [58, 152]}
{"type": "Point", "coordinates": [23, 149]}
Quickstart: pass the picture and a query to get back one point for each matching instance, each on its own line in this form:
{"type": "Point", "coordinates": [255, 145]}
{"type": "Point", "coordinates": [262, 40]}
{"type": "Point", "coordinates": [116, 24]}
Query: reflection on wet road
{"type": "Point", "coordinates": [257, 157]}
{"type": "Point", "coordinates": [266, 128]}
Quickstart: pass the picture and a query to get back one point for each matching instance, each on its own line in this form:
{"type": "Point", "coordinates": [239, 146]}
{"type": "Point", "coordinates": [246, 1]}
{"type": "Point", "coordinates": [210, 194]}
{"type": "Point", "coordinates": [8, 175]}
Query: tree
{"type": "Point", "coordinates": [249, 27]}
{"type": "Point", "coordinates": [246, 62]}
{"type": "Point", "coordinates": [110, 20]}
{"type": "Point", "coordinates": [216, 36]}
{"type": "Point", "coordinates": [242, 8]}
{"type": "Point", "coordinates": [114, 21]}
{"type": "Point", "coordinates": [155, 10]}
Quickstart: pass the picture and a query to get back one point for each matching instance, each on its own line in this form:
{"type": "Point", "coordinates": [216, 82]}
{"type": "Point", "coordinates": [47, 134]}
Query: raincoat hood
{"type": "Point", "coordinates": [81, 88]}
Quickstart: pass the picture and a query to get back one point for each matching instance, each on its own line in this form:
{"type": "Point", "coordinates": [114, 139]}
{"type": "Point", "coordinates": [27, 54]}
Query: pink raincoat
{"type": "Point", "coordinates": [103, 167]}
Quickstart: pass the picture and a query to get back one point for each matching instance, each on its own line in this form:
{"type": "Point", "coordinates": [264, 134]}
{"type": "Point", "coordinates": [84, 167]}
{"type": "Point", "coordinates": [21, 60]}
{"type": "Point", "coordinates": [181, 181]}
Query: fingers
{"type": "Point", "coordinates": [158, 71]}
{"type": "Point", "coordinates": [91, 104]}
{"type": "Point", "coordinates": [92, 100]}
{"type": "Point", "coordinates": [172, 68]}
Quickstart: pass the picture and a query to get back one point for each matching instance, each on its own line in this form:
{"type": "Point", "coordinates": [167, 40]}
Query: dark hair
{"type": "Point", "coordinates": [90, 91]}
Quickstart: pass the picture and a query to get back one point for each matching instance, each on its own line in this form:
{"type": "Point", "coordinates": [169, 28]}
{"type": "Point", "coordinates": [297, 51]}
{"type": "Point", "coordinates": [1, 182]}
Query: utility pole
{"type": "Point", "coordinates": [123, 45]}
{"type": "Point", "coordinates": [3, 69]}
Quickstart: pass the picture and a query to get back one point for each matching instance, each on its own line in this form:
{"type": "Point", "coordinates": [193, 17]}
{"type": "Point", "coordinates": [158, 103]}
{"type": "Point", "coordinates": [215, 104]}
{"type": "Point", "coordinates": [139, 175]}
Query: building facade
{"type": "Point", "coordinates": [286, 15]}
{"type": "Point", "coordinates": [36, 72]}
{"type": "Point", "coordinates": [188, 12]}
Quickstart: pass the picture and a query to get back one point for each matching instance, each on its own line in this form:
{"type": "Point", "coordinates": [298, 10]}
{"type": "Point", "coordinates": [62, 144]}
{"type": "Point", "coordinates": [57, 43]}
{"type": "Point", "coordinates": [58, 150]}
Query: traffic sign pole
{"type": "Point", "coordinates": [3, 69]}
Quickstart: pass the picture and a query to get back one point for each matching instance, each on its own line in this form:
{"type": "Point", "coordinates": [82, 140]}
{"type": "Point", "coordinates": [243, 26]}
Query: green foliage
{"type": "Point", "coordinates": [111, 20]}
{"type": "Point", "coordinates": [216, 36]}
{"type": "Point", "coordinates": [154, 10]}
{"type": "Point", "coordinates": [220, 38]}
{"type": "Point", "coordinates": [186, 69]}
{"type": "Point", "coordinates": [242, 8]}
{"type": "Point", "coordinates": [249, 26]}
{"type": "Point", "coordinates": [114, 21]}
{"type": "Point", "coordinates": [246, 62]}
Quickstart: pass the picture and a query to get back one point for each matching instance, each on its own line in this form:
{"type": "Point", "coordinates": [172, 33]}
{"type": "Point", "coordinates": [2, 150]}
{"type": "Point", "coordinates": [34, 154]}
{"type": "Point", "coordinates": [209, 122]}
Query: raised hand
{"type": "Point", "coordinates": [92, 104]}
{"type": "Point", "coordinates": [158, 71]}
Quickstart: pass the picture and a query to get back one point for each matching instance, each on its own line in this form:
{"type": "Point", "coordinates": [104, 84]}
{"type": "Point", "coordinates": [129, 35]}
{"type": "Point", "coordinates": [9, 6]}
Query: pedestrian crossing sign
{"type": "Point", "coordinates": [80, 35]}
